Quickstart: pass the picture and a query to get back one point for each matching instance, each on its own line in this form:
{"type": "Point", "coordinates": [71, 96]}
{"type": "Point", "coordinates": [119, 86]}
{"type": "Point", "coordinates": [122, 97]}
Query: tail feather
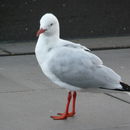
{"type": "Point", "coordinates": [125, 86]}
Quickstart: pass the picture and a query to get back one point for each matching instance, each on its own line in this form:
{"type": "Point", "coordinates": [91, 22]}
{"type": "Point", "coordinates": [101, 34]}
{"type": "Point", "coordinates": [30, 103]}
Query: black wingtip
{"type": "Point", "coordinates": [125, 86]}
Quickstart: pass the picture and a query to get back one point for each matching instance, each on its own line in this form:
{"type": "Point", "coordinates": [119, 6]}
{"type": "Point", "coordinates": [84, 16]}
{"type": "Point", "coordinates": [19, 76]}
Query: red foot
{"type": "Point", "coordinates": [61, 117]}
{"type": "Point", "coordinates": [71, 114]}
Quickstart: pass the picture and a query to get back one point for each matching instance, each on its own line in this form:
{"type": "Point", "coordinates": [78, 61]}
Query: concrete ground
{"type": "Point", "coordinates": [28, 98]}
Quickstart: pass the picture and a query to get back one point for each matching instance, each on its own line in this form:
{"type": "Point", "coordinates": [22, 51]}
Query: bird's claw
{"type": "Point", "coordinates": [71, 114]}
{"type": "Point", "coordinates": [60, 117]}
{"type": "Point", "coordinates": [63, 116]}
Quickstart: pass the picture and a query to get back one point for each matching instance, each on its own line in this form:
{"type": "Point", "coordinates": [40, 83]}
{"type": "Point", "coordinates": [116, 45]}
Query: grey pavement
{"type": "Point", "coordinates": [17, 48]}
{"type": "Point", "coordinates": [28, 98]}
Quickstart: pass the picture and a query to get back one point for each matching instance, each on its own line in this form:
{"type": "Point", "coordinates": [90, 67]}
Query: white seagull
{"type": "Point", "coordinates": [70, 65]}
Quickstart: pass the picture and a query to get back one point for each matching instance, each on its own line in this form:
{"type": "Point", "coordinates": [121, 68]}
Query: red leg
{"type": "Point", "coordinates": [64, 115]}
{"type": "Point", "coordinates": [70, 114]}
{"type": "Point", "coordinates": [73, 104]}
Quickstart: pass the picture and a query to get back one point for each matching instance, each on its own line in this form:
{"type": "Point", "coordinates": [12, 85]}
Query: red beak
{"type": "Point", "coordinates": [40, 31]}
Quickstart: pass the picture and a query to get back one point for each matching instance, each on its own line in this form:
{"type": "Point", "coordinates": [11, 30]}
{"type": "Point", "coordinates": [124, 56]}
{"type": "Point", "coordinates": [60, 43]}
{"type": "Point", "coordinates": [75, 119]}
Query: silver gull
{"type": "Point", "coordinates": [70, 65]}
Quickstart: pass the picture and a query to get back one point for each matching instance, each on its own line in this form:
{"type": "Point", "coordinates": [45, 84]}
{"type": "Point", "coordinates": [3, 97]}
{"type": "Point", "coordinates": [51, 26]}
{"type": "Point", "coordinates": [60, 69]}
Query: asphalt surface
{"type": "Point", "coordinates": [28, 98]}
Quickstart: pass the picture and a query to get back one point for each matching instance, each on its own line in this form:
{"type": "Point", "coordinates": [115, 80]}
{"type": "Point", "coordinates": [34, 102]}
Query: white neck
{"type": "Point", "coordinates": [43, 46]}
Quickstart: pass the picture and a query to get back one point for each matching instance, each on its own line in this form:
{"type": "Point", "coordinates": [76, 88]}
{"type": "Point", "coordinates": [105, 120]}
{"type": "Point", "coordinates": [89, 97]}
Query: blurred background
{"type": "Point", "coordinates": [19, 20]}
{"type": "Point", "coordinates": [28, 98]}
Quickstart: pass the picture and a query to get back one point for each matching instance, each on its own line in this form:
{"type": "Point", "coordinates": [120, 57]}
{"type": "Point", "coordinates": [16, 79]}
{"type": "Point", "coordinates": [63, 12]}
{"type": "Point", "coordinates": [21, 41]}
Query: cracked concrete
{"type": "Point", "coordinates": [22, 48]}
{"type": "Point", "coordinates": [28, 98]}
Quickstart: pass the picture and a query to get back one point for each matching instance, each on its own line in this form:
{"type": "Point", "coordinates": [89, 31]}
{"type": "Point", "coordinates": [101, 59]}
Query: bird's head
{"type": "Point", "coordinates": [49, 25]}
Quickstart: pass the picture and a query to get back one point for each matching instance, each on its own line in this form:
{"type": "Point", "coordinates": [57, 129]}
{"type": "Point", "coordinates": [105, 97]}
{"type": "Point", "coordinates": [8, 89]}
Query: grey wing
{"type": "Point", "coordinates": [74, 45]}
{"type": "Point", "coordinates": [96, 60]}
{"type": "Point", "coordinates": [81, 69]}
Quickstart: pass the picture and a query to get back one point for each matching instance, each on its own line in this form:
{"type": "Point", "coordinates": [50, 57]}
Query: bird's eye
{"type": "Point", "coordinates": [51, 24]}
